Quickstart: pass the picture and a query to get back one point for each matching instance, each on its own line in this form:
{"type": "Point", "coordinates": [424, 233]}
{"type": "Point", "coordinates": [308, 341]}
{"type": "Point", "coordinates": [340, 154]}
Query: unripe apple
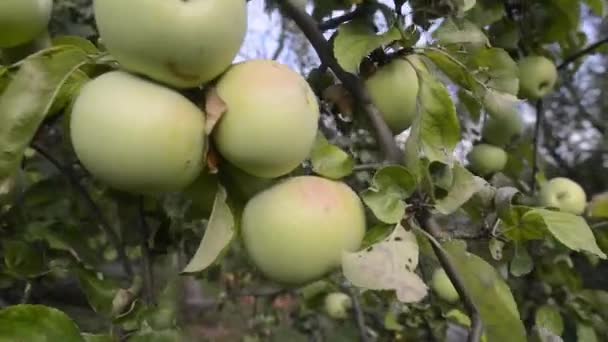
{"type": "Point", "coordinates": [563, 194]}
{"type": "Point", "coordinates": [394, 90]}
{"type": "Point", "coordinates": [23, 20]}
{"type": "Point", "coordinates": [487, 159]}
{"type": "Point", "coordinates": [295, 231]}
{"type": "Point", "coordinates": [443, 287]}
{"type": "Point", "coordinates": [502, 131]}
{"type": "Point", "coordinates": [177, 42]}
{"type": "Point", "coordinates": [337, 305]}
{"type": "Point", "coordinates": [272, 118]}
{"type": "Point", "coordinates": [537, 77]}
{"type": "Point", "coordinates": [136, 135]}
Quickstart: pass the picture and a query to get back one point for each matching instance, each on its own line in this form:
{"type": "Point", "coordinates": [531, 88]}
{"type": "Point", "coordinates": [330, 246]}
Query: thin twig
{"type": "Point", "coordinates": [93, 208]}
{"type": "Point", "coordinates": [147, 271]}
{"type": "Point", "coordinates": [352, 83]}
{"type": "Point", "coordinates": [582, 53]}
{"type": "Point", "coordinates": [535, 142]}
{"type": "Point", "coordinates": [27, 292]}
{"type": "Point", "coordinates": [368, 167]}
{"type": "Point", "coordinates": [429, 225]}
{"type": "Point", "coordinates": [358, 314]}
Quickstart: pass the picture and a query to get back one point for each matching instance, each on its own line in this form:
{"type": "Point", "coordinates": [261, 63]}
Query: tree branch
{"type": "Point", "coordinates": [535, 142]}
{"type": "Point", "coordinates": [358, 313]}
{"type": "Point", "coordinates": [429, 225]}
{"type": "Point", "coordinates": [582, 53]}
{"type": "Point", "coordinates": [333, 23]}
{"type": "Point", "coordinates": [352, 83]}
{"type": "Point", "coordinates": [93, 208]}
{"type": "Point", "coordinates": [147, 275]}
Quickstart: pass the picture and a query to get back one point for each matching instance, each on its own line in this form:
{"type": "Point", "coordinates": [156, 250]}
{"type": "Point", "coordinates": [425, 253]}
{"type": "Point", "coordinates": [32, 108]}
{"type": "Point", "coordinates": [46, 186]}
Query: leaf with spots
{"type": "Point", "coordinates": [388, 265]}
{"type": "Point", "coordinates": [218, 235]}
{"type": "Point", "coordinates": [390, 186]}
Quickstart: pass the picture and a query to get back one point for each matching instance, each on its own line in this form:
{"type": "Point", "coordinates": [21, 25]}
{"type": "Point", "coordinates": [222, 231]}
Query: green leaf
{"type": "Point", "coordinates": [388, 265]}
{"type": "Point", "coordinates": [100, 292]}
{"type": "Point", "coordinates": [465, 185]}
{"type": "Point", "coordinates": [548, 317]}
{"type": "Point", "coordinates": [571, 230]}
{"type": "Point", "coordinates": [501, 106]}
{"type": "Point", "coordinates": [390, 186]}
{"type": "Point", "coordinates": [597, 6]}
{"type": "Point", "coordinates": [522, 262]}
{"type": "Point", "coordinates": [27, 100]}
{"type": "Point", "coordinates": [157, 336]}
{"type": "Point", "coordinates": [37, 323]}
{"type": "Point", "coordinates": [98, 338]}
{"type": "Point", "coordinates": [496, 69]}
{"type": "Point", "coordinates": [22, 259]}
{"type": "Point", "coordinates": [436, 130]}
{"type": "Point", "coordinates": [355, 40]}
{"type": "Point", "coordinates": [486, 12]}
{"type": "Point", "coordinates": [76, 41]}
{"type": "Point", "coordinates": [490, 294]}
{"type": "Point", "coordinates": [329, 160]}
{"type": "Point", "coordinates": [586, 333]}
{"type": "Point", "coordinates": [598, 206]}
{"type": "Point", "coordinates": [465, 32]}
{"type": "Point", "coordinates": [218, 235]}
{"type": "Point", "coordinates": [470, 103]}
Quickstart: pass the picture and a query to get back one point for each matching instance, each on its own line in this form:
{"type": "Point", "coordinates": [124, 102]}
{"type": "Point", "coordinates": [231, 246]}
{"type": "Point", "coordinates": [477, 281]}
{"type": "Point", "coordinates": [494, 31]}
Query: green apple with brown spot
{"type": "Point", "coordinates": [21, 21]}
{"type": "Point", "coordinates": [296, 230]}
{"type": "Point", "coordinates": [271, 121]}
{"type": "Point", "coordinates": [136, 135]}
{"type": "Point", "coordinates": [564, 194]}
{"type": "Point", "coordinates": [180, 43]}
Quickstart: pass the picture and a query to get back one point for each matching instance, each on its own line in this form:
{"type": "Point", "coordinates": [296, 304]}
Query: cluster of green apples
{"type": "Point", "coordinates": [537, 78]}
{"type": "Point", "coordinates": [133, 130]}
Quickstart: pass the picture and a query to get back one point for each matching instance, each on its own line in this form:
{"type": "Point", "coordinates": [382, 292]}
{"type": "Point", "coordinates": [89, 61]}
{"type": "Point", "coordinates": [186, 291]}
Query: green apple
{"type": "Point", "coordinates": [537, 77]}
{"type": "Point", "coordinates": [295, 231]}
{"type": "Point", "coordinates": [181, 43]}
{"type": "Point", "coordinates": [271, 122]}
{"type": "Point", "coordinates": [22, 21]}
{"type": "Point", "coordinates": [136, 135]}
{"type": "Point", "coordinates": [337, 305]}
{"type": "Point", "coordinates": [563, 194]}
{"type": "Point", "coordinates": [394, 90]}
{"type": "Point", "coordinates": [443, 287]}
{"type": "Point", "coordinates": [501, 131]}
{"type": "Point", "coordinates": [487, 159]}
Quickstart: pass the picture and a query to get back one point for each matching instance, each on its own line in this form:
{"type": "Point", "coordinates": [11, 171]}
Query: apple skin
{"type": "Point", "coordinates": [443, 287]}
{"type": "Point", "coordinates": [295, 231]}
{"type": "Point", "coordinates": [564, 194]}
{"type": "Point", "coordinates": [337, 305]}
{"type": "Point", "coordinates": [22, 21]}
{"type": "Point", "coordinates": [394, 90]}
{"type": "Point", "coordinates": [181, 43]}
{"type": "Point", "coordinates": [136, 135]}
{"type": "Point", "coordinates": [537, 77]}
{"type": "Point", "coordinates": [487, 159]}
{"type": "Point", "coordinates": [501, 131]}
{"type": "Point", "coordinates": [272, 118]}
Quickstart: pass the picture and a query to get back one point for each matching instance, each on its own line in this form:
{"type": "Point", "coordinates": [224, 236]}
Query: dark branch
{"type": "Point", "coordinates": [535, 142]}
{"type": "Point", "coordinates": [147, 271]}
{"type": "Point", "coordinates": [92, 206]}
{"type": "Point", "coordinates": [582, 53]}
{"type": "Point", "coordinates": [359, 314]}
{"type": "Point", "coordinates": [333, 23]}
{"type": "Point", "coordinates": [351, 82]}
{"type": "Point", "coordinates": [428, 224]}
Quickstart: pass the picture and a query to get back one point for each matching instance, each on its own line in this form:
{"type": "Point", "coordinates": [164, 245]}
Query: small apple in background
{"type": "Point", "coordinates": [537, 77]}
{"type": "Point", "coordinates": [271, 121]}
{"type": "Point", "coordinates": [21, 21]}
{"type": "Point", "coordinates": [394, 90]}
{"type": "Point", "coordinates": [502, 131]}
{"type": "Point", "coordinates": [563, 194]}
{"type": "Point", "coordinates": [295, 231]}
{"type": "Point", "coordinates": [443, 287]}
{"type": "Point", "coordinates": [181, 43]}
{"type": "Point", "coordinates": [136, 135]}
{"type": "Point", "coordinates": [337, 305]}
{"type": "Point", "coordinates": [487, 159]}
